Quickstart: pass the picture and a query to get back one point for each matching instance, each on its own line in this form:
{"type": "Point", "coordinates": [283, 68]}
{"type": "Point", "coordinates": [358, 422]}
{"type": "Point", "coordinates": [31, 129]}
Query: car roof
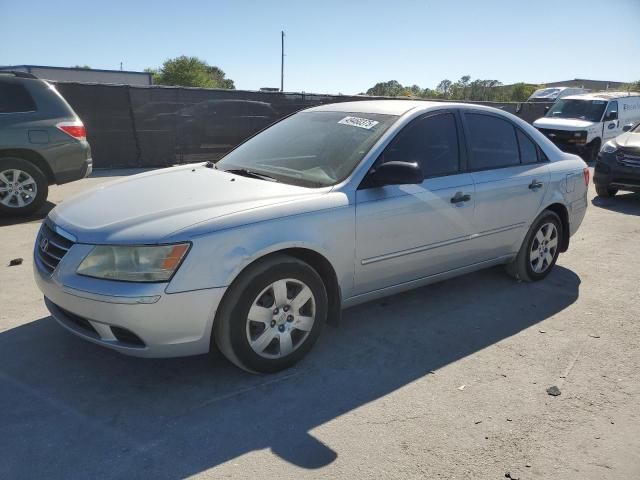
{"type": "Point", "coordinates": [602, 96]}
{"type": "Point", "coordinates": [398, 107]}
{"type": "Point", "coordinates": [389, 107]}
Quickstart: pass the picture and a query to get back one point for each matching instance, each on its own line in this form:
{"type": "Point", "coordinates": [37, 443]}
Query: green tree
{"type": "Point", "coordinates": [521, 91]}
{"type": "Point", "coordinates": [81, 66]}
{"type": "Point", "coordinates": [444, 87]}
{"type": "Point", "coordinates": [219, 78]}
{"type": "Point", "coordinates": [190, 72]}
{"type": "Point", "coordinates": [632, 87]}
{"type": "Point", "coordinates": [392, 88]}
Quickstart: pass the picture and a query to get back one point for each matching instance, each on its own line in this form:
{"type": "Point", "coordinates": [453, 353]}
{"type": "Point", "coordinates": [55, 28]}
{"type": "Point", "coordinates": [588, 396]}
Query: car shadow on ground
{"type": "Point", "coordinates": [628, 203]}
{"type": "Point", "coordinates": [36, 217]}
{"type": "Point", "coordinates": [70, 409]}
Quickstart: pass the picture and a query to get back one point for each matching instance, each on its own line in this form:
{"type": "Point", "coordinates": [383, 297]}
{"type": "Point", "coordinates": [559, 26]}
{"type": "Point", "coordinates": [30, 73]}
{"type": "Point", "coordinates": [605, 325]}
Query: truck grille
{"type": "Point", "coordinates": [628, 159]}
{"type": "Point", "coordinates": [562, 136]}
{"type": "Point", "coordinates": [51, 247]}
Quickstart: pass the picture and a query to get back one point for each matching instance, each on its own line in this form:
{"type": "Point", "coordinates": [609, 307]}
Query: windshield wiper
{"type": "Point", "coordinates": [245, 172]}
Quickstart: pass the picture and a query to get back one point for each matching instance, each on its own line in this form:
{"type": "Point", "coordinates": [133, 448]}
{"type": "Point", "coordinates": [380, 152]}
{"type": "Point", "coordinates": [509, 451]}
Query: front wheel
{"type": "Point", "coordinates": [540, 249]}
{"type": "Point", "coordinates": [272, 315]}
{"type": "Point", "coordinates": [605, 191]}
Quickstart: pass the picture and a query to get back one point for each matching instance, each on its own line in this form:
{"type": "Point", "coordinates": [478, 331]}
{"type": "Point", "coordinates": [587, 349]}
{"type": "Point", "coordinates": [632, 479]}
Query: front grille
{"type": "Point", "coordinates": [51, 247]}
{"type": "Point", "coordinates": [562, 136]}
{"type": "Point", "coordinates": [628, 158]}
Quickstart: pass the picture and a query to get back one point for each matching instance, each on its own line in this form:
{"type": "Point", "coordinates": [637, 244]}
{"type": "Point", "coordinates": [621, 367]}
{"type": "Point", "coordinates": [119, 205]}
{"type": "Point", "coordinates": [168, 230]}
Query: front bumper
{"type": "Point", "coordinates": [615, 171]}
{"type": "Point", "coordinates": [133, 318]}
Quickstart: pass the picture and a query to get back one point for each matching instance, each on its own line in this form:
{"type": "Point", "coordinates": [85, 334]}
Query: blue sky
{"type": "Point", "coordinates": [335, 46]}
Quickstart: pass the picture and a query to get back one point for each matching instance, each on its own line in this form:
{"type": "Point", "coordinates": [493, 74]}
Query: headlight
{"type": "Point", "coordinates": [133, 263]}
{"type": "Point", "coordinates": [609, 147]}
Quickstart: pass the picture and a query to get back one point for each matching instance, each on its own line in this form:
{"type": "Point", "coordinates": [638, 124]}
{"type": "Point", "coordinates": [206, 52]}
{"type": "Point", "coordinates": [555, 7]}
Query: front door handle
{"type": "Point", "coordinates": [535, 185]}
{"type": "Point", "coordinates": [460, 197]}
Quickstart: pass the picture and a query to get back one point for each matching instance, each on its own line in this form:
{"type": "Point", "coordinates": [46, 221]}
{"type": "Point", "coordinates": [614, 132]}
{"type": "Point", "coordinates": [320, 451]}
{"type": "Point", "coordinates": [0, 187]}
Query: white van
{"type": "Point", "coordinates": [552, 94]}
{"type": "Point", "coordinates": [582, 123]}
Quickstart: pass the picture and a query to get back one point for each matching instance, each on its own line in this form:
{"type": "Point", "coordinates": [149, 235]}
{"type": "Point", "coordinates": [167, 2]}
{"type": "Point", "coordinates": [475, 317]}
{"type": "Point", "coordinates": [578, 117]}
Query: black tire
{"type": "Point", "coordinates": [592, 152]}
{"type": "Point", "coordinates": [42, 186]}
{"type": "Point", "coordinates": [230, 328]}
{"type": "Point", "coordinates": [605, 191]}
{"type": "Point", "coordinates": [521, 267]}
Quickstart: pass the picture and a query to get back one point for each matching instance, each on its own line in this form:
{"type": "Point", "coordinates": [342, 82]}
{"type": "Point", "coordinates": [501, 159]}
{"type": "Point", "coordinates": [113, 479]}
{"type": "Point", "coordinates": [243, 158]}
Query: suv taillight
{"type": "Point", "coordinates": [73, 129]}
{"type": "Point", "coordinates": [585, 172]}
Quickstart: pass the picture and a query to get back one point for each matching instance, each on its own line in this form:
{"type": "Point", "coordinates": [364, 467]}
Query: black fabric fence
{"type": "Point", "coordinates": [130, 126]}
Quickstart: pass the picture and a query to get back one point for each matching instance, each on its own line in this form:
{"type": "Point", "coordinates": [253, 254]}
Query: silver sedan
{"type": "Point", "coordinates": [333, 206]}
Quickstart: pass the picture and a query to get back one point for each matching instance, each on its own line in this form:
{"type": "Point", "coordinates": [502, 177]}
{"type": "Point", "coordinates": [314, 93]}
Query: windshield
{"type": "Point", "coordinates": [546, 93]}
{"type": "Point", "coordinates": [310, 149]}
{"type": "Point", "coordinates": [590, 110]}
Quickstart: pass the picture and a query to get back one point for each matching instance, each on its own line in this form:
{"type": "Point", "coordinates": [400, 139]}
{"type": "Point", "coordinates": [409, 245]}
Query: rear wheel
{"type": "Point", "coordinates": [272, 315]}
{"type": "Point", "coordinates": [540, 249]}
{"type": "Point", "coordinates": [605, 191]}
{"type": "Point", "coordinates": [23, 187]}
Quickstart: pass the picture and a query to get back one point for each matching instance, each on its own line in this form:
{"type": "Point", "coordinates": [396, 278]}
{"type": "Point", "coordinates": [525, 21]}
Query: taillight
{"type": "Point", "coordinates": [73, 129]}
{"type": "Point", "coordinates": [586, 174]}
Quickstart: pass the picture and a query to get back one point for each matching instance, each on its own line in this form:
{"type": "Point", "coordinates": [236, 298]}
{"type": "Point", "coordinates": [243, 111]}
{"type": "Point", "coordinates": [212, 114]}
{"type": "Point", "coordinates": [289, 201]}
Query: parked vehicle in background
{"type": "Point", "coordinates": [553, 94]}
{"type": "Point", "coordinates": [583, 123]}
{"type": "Point", "coordinates": [618, 164]}
{"type": "Point", "coordinates": [42, 142]}
{"type": "Point", "coordinates": [328, 208]}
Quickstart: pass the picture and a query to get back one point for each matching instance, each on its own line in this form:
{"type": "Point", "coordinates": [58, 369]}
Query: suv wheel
{"type": "Point", "coordinates": [605, 191]}
{"type": "Point", "coordinates": [23, 187]}
{"type": "Point", "coordinates": [272, 315]}
{"type": "Point", "coordinates": [540, 249]}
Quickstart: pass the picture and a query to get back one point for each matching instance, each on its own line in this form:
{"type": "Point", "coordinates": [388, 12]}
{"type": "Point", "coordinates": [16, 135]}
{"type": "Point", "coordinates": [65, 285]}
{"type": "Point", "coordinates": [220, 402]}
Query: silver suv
{"type": "Point", "coordinates": [42, 142]}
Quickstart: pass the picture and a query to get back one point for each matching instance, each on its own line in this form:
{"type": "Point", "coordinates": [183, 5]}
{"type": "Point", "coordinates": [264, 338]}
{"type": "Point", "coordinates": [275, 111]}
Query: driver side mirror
{"type": "Point", "coordinates": [612, 115]}
{"type": "Point", "coordinates": [394, 173]}
{"type": "Point", "coordinates": [627, 127]}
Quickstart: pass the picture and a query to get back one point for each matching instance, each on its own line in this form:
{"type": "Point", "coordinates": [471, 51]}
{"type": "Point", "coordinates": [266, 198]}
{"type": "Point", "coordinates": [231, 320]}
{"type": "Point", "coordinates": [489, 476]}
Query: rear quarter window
{"type": "Point", "coordinates": [15, 98]}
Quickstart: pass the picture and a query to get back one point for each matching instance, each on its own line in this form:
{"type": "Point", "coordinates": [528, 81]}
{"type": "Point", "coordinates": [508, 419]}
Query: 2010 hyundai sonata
{"type": "Point", "coordinates": [328, 208]}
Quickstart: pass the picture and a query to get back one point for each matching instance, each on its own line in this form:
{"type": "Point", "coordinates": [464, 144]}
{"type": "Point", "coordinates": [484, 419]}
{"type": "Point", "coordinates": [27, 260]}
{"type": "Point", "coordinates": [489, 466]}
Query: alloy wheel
{"type": "Point", "coordinates": [543, 247]}
{"type": "Point", "coordinates": [280, 318]}
{"type": "Point", "coordinates": [17, 188]}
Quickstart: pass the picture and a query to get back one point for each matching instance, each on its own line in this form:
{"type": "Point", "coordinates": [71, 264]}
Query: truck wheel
{"type": "Point", "coordinates": [23, 187]}
{"type": "Point", "coordinates": [592, 151]}
{"type": "Point", "coordinates": [605, 191]}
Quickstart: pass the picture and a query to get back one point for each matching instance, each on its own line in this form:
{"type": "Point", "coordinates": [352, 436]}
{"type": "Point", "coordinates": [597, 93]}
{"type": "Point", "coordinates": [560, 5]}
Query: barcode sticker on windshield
{"type": "Point", "coordinates": [359, 122]}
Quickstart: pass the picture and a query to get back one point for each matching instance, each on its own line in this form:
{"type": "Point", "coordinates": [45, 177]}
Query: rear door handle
{"type": "Point", "coordinates": [535, 185]}
{"type": "Point", "coordinates": [460, 197]}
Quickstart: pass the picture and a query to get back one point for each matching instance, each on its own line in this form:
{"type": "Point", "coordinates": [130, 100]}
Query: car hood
{"type": "Point", "coordinates": [629, 140]}
{"type": "Point", "coordinates": [149, 207]}
{"type": "Point", "coordinates": [570, 124]}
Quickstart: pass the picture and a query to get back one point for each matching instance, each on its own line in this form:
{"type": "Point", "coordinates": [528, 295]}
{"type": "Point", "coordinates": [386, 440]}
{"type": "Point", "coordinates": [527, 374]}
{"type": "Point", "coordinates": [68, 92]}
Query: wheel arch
{"type": "Point", "coordinates": [33, 157]}
{"type": "Point", "coordinates": [560, 210]}
{"type": "Point", "coordinates": [320, 264]}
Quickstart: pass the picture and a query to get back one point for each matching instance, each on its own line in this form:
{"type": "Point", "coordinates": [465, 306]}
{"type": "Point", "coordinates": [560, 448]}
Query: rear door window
{"type": "Point", "coordinates": [492, 142]}
{"type": "Point", "coordinates": [14, 98]}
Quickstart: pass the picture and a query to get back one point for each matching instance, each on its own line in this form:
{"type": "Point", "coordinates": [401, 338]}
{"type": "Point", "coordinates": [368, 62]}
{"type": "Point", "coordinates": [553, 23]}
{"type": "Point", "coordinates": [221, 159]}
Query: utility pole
{"type": "Point", "coordinates": [120, 65]}
{"type": "Point", "coordinates": [282, 62]}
